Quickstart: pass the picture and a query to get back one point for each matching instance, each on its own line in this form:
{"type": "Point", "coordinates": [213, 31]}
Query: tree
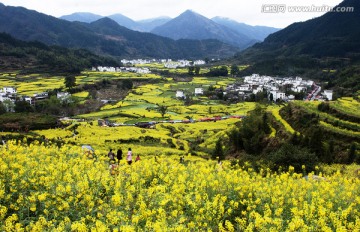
{"type": "Point", "coordinates": [234, 70]}
{"type": "Point", "coordinates": [197, 70]}
{"type": "Point", "coordinates": [218, 151]}
{"type": "Point", "coordinates": [2, 108]}
{"type": "Point", "coordinates": [9, 105]}
{"type": "Point", "coordinates": [162, 110]}
{"type": "Point", "coordinates": [23, 106]}
{"type": "Point", "coordinates": [295, 156]}
{"type": "Point", "coordinates": [271, 98]}
{"type": "Point", "coordinates": [127, 84]}
{"type": "Point", "coordinates": [222, 71]}
{"type": "Point", "coordinates": [188, 99]}
{"type": "Point", "coordinates": [316, 138]}
{"type": "Point", "coordinates": [253, 131]}
{"type": "Point", "coordinates": [70, 81]}
{"type": "Point", "coordinates": [352, 153]}
{"type": "Point", "coordinates": [191, 70]}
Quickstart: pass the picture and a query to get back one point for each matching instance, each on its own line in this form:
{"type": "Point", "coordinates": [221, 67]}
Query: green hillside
{"type": "Point", "coordinates": [326, 48]}
{"type": "Point", "coordinates": [37, 57]}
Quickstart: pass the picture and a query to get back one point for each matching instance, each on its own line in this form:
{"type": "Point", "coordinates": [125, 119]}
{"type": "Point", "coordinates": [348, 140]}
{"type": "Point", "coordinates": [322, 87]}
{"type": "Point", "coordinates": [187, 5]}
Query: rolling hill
{"type": "Point", "coordinates": [334, 34]}
{"type": "Point", "coordinates": [37, 57]}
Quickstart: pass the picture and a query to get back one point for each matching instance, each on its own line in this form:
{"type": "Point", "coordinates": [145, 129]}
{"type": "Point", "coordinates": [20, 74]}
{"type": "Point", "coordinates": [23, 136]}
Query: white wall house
{"type": "Point", "coordinates": [299, 88]}
{"type": "Point", "coordinates": [10, 90]}
{"type": "Point", "coordinates": [243, 88]}
{"type": "Point", "coordinates": [3, 97]}
{"type": "Point", "coordinates": [179, 94]}
{"type": "Point", "coordinates": [258, 89]}
{"type": "Point", "coordinates": [328, 94]}
{"type": "Point", "coordinates": [40, 96]}
{"type": "Point", "coordinates": [199, 91]}
{"type": "Point", "coordinates": [28, 99]}
{"type": "Point", "coordinates": [62, 95]}
{"type": "Point", "coordinates": [277, 95]}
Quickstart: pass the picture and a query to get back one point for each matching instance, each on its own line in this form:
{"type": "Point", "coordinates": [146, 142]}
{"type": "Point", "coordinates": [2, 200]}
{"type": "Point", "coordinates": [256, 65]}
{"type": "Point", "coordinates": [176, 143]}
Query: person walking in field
{"type": "Point", "coordinates": [119, 155]}
{"type": "Point", "coordinates": [137, 158]}
{"type": "Point", "coordinates": [129, 156]}
{"type": "Point", "coordinates": [111, 156]}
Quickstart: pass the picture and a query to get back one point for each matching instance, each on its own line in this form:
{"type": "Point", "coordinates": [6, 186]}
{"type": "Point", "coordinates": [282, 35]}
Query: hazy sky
{"type": "Point", "coordinates": [249, 12]}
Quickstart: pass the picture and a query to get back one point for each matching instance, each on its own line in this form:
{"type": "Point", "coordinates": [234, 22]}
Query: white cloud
{"type": "Point", "coordinates": [239, 10]}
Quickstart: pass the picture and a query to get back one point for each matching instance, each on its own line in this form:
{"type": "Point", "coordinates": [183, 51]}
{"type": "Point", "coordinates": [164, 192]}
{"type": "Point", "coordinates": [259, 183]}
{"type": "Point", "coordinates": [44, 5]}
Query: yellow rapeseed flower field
{"type": "Point", "coordinates": [46, 188]}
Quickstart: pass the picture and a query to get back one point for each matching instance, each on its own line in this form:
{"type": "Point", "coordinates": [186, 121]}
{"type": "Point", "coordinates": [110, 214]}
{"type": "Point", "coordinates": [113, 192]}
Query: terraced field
{"type": "Point", "coordinates": [334, 122]}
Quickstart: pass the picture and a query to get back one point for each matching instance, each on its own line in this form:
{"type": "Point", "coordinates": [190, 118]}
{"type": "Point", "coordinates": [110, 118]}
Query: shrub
{"type": "Point", "coordinates": [290, 155]}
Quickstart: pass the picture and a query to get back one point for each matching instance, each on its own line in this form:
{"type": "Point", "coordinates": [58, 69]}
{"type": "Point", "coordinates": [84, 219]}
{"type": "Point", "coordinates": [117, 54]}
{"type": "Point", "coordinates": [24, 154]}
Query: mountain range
{"type": "Point", "coordinates": [105, 37]}
{"type": "Point", "coordinates": [188, 25]}
{"type": "Point", "coordinates": [145, 25]}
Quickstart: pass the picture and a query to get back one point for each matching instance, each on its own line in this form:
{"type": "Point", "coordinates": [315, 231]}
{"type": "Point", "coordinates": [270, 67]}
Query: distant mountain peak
{"type": "Point", "coordinates": [106, 21]}
{"type": "Point", "coordinates": [85, 17]}
{"type": "Point", "coordinates": [190, 13]}
{"type": "Point", "coordinates": [191, 25]}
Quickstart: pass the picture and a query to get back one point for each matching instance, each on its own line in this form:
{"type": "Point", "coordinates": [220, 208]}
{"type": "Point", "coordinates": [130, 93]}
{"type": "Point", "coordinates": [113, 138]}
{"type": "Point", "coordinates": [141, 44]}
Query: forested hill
{"type": "Point", "coordinates": [326, 48]}
{"type": "Point", "coordinates": [38, 57]}
{"type": "Point", "coordinates": [335, 34]}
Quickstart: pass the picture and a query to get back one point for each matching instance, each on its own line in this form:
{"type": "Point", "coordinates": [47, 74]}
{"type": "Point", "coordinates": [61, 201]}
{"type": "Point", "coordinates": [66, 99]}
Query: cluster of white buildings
{"type": "Point", "coordinates": [128, 65]}
{"type": "Point", "coordinates": [137, 61]}
{"type": "Point", "coordinates": [168, 63]}
{"type": "Point", "coordinates": [276, 87]}
{"type": "Point", "coordinates": [183, 63]}
{"type": "Point", "coordinates": [10, 94]}
{"type": "Point", "coordinates": [121, 69]}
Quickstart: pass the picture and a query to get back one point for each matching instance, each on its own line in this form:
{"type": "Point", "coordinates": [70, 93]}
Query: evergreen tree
{"type": "Point", "coordinates": [218, 152]}
{"type": "Point", "coordinates": [234, 70]}
{"type": "Point", "coordinates": [70, 81]}
{"type": "Point", "coordinates": [352, 153]}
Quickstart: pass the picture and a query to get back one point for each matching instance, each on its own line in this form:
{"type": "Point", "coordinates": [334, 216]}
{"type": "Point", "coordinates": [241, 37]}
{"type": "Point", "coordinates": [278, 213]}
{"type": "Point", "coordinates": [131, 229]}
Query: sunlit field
{"type": "Point", "coordinates": [44, 188]}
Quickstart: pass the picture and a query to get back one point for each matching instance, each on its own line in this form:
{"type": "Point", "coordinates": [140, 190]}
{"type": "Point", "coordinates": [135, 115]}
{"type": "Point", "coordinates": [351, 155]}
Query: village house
{"type": "Point", "coordinates": [328, 94]}
{"type": "Point", "coordinates": [199, 91]}
{"type": "Point", "coordinates": [63, 96]}
{"type": "Point", "coordinates": [9, 90]}
{"type": "Point", "coordinates": [277, 95]}
{"type": "Point", "coordinates": [180, 94]}
{"type": "Point", "coordinates": [41, 96]}
{"type": "Point", "coordinates": [8, 94]}
{"type": "Point", "coordinates": [28, 99]}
